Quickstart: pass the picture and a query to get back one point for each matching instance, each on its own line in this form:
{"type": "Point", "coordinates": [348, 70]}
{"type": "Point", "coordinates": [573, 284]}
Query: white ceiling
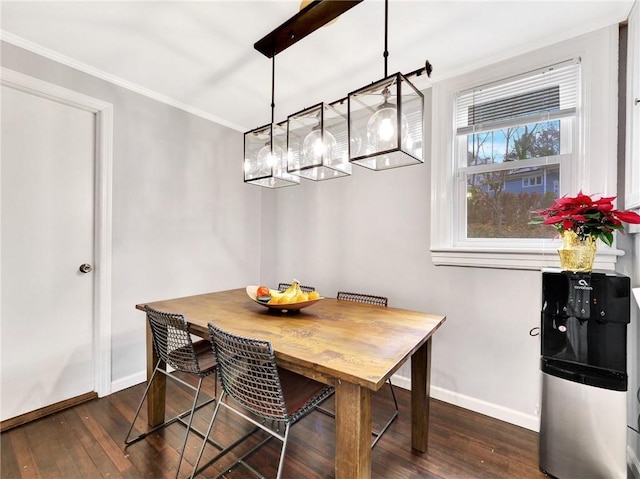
{"type": "Point", "coordinates": [200, 56]}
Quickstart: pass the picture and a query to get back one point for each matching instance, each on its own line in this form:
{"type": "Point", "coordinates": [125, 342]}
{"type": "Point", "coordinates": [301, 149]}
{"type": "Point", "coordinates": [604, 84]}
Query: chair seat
{"type": "Point", "coordinates": [300, 391]}
{"type": "Point", "coordinates": [300, 395]}
{"type": "Point", "coordinates": [204, 355]}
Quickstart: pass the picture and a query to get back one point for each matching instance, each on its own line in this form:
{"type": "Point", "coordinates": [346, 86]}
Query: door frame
{"type": "Point", "coordinates": [102, 239]}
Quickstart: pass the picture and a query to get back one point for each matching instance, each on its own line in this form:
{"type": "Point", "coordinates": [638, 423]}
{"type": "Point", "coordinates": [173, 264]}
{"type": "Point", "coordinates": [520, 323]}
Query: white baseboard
{"type": "Point", "coordinates": [129, 381]}
{"type": "Point", "coordinates": [633, 462]}
{"type": "Point", "coordinates": [401, 381]}
{"type": "Point", "coordinates": [528, 421]}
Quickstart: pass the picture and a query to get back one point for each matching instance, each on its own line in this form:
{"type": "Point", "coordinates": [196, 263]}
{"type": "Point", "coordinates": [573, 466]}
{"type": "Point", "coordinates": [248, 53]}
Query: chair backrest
{"type": "Point", "coordinates": [306, 289]}
{"type": "Point", "coordinates": [172, 340]}
{"type": "Point", "coordinates": [363, 298]}
{"type": "Point", "coordinates": [248, 373]}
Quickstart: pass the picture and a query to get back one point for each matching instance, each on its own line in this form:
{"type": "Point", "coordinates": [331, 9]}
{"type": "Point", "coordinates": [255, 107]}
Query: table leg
{"type": "Point", "coordinates": [353, 431]}
{"type": "Point", "coordinates": [420, 385]}
{"type": "Point", "coordinates": [157, 392]}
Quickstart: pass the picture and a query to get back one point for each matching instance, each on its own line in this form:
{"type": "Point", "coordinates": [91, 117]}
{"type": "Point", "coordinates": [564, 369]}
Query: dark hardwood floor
{"type": "Point", "coordinates": [86, 441]}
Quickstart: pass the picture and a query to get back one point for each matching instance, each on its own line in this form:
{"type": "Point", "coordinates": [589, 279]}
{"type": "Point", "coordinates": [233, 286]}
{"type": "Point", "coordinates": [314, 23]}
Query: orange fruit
{"type": "Point", "coordinates": [313, 295]}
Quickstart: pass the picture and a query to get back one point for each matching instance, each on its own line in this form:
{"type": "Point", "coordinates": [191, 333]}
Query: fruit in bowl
{"type": "Point", "coordinates": [293, 294]}
{"type": "Point", "coordinates": [291, 300]}
{"type": "Point", "coordinates": [263, 294]}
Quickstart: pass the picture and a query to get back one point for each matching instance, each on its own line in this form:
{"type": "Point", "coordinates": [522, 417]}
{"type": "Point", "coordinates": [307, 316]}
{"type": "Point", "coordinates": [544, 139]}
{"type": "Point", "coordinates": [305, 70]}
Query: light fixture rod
{"type": "Point", "coordinates": [386, 36]}
{"type": "Point", "coordinates": [427, 68]}
{"type": "Point", "coordinates": [273, 102]}
{"type": "Point", "coordinates": [273, 88]}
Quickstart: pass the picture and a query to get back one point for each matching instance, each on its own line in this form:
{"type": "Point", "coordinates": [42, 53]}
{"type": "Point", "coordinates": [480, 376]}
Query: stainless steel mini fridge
{"type": "Point", "coordinates": [584, 374]}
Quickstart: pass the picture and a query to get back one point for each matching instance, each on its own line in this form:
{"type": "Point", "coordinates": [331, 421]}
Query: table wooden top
{"type": "Point", "coordinates": [330, 340]}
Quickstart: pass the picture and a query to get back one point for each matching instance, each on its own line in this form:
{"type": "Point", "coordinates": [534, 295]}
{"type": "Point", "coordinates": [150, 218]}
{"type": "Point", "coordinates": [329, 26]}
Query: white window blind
{"type": "Point", "coordinates": [547, 94]}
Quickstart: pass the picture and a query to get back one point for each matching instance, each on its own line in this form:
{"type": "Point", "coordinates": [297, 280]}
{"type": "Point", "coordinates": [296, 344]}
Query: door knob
{"type": "Point", "coordinates": [85, 268]}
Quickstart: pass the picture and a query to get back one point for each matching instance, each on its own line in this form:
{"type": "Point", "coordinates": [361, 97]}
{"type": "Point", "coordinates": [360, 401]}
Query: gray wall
{"type": "Point", "coordinates": [183, 221]}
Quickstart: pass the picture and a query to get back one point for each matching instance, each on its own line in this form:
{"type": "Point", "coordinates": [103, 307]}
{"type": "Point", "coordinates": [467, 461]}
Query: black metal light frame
{"type": "Point", "coordinates": [326, 166]}
{"type": "Point", "coordinates": [278, 176]}
{"type": "Point", "coordinates": [315, 15]}
{"type": "Point", "coordinates": [400, 151]}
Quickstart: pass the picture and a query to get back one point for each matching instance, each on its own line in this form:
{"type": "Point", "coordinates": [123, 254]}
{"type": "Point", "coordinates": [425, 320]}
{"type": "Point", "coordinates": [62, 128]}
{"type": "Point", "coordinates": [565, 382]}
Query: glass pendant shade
{"type": "Point", "coordinates": [265, 158]}
{"type": "Point", "coordinates": [386, 124]}
{"type": "Point", "coordinates": [317, 142]}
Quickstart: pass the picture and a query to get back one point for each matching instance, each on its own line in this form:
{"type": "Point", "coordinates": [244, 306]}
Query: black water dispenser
{"type": "Point", "coordinates": [584, 374]}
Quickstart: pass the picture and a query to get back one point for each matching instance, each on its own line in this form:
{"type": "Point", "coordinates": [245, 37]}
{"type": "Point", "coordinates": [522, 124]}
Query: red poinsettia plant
{"type": "Point", "coordinates": [586, 217]}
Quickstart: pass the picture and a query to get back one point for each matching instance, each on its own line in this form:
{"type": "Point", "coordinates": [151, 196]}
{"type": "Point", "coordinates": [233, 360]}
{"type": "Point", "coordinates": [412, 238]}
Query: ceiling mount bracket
{"type": "Point", "coordinates": [315, 15]}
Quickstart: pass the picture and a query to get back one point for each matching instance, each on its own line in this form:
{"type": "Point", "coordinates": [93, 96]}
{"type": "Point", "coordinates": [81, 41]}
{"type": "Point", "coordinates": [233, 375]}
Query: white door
{"type": "Point", "coordinates": [47, 199]}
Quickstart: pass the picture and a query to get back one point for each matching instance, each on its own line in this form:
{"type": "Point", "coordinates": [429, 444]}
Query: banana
{"type": "Point", "coordinates": [287, 296]}
{"type": "Point", "coordinates": [291, 292]}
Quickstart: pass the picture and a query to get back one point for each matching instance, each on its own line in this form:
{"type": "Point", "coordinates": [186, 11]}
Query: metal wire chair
{"type": "Point", "coordinates": [173, 345]}
{"type": "Point", "coordinates": [363, 298]}
{"type": "Point", "coordinates": [249, 375]}
{"type": "Point", "coordinates": [378, 301]}
{"type": "Point", "coordinates": [306, 289]}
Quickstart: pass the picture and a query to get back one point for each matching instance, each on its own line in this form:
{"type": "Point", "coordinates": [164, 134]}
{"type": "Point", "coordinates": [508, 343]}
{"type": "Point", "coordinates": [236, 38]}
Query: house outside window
{"type": "Point", "coordinates": [509, 139]}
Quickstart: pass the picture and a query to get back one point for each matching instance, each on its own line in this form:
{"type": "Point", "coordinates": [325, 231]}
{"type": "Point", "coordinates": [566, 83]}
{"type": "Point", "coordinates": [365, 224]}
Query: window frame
{"type": "Point", "coordinates": [529, 184]}
{"type": "Point", "coordinates": [632, 147]}
{"type": "Point", "coordinates": [592, 168]}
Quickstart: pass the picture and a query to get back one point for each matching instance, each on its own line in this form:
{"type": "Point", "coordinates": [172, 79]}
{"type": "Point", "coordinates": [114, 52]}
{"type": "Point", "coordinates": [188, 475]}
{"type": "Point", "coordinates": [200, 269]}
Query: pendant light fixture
{"type": "Point", "coordinates": [265, 158]}
{"type": "Point", "coordinates": [385, 119]}
{"type": "Point", "coordinates": [379, 126]}
{"type": "Point", "coordinates": [317, 142]}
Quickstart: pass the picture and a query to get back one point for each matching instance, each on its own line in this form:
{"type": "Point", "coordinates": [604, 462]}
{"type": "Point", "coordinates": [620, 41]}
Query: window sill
{"type": "Point", "coordinates": [516, 258]}
{"type": "Point", "coordinates": [633, 228]}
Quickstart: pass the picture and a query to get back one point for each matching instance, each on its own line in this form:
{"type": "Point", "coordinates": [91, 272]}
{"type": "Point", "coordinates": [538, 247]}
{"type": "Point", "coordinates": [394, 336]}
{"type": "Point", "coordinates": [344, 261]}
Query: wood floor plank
{"type": "Point", "coordinates": [17, 457]}
{"type": "Point", "coordinates": [112, 449]}
{"type": "Point", "coordinates": [76, 454]}
{"type": "Point", "coordinates": [45, 448]}
{"type": "Point", "coordinates": [8, 461]}
{"type": "Point", "coordinates": [87, 441]}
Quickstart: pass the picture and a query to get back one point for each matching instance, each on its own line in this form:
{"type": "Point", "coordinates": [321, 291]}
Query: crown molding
{"type": "Point", "coordinates": [83, 67]}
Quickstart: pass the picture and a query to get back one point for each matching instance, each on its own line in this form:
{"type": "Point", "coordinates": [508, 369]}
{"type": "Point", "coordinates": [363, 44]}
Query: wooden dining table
{"type": "Point", "coordinates": [352, 346]}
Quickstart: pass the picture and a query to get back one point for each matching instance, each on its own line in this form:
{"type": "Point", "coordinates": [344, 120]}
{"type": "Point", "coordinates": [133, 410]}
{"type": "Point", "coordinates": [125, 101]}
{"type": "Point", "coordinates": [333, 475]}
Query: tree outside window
{"type": "Point", "coordinates": [499, 203]}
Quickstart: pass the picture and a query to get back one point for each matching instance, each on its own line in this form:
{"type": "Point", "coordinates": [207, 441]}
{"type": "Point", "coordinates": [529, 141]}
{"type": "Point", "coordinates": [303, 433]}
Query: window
{"type": "Point", "coordinates": [511, 137]}
{"type": "Point", "coordinates": [531, 181]}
